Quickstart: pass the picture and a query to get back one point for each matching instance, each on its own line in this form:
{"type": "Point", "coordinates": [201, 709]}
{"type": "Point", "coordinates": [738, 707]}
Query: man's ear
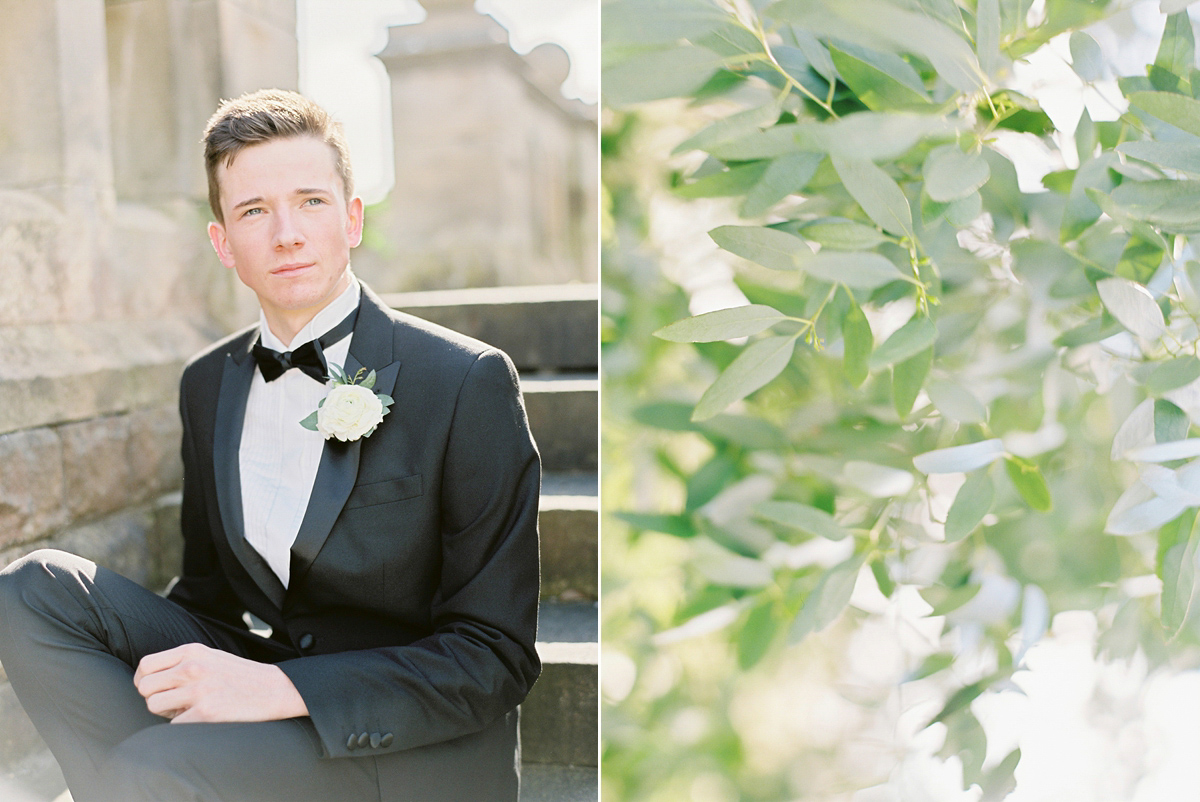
{"type": "Point", "coordinates": [354, 221]}
{"type": "Point", "coordinates": [216, 233]}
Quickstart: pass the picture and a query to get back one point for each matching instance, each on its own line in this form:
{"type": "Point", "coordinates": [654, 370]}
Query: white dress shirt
{"type": "Point", "coordinates": [278, 457]}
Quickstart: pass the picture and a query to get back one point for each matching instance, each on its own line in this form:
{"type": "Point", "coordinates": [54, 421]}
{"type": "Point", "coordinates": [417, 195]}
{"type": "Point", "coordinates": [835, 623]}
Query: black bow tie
{"type": "Point", "coordinates": [309, 358]}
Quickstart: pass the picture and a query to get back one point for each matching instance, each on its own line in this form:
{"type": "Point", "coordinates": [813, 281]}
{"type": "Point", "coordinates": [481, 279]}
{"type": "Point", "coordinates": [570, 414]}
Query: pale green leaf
{"type": "Point", "coordinates": [1177, 50]}
{"type": "Point", "coordinates": [1174, 155]}
{"type": "Point", "coordinates": [784, 175]}
{"type": "Point", "coordinates": [960, 459]}
{"type": "Point", "coordinates": [1028, 479]}
{"type": "Point", "coordinates": [987, 35]}
{"type": "Point", "coordinates": [645, 22]}
{"type": "Point", "coordinates": [1173, 206]}
{"type": "Point", "coordinates": [1086, 57]}
{"type": "Point", "coordinates": [658, 74]}
{"type": "Point", "coordinates": [908, 376]}
{"type": "Point", "coordinates": [1170, 422]}
{"type": "Point", "coordinates": [723, 324]}
{"type": "Point", "coordinates": [909, 340]}
{"type": "Point", "coordinates": [862, 270]}
{"type": "Point", "coordinates": [1179, 583]}
{"type": "Point", "coordinates": [1081, 210]}
{"type": "Point", "coordinates": [955, 402]}
{"type": "Point", "coordinates": [951, 174]}
{"type": "Point", "coordinates": [816, 53]}
{"type": "Point", "coordinates": [881, 81]}
{"type": "Point", "coordinates": [758, 363]}
{"type": "Point", "coordinates": [1172, 374]}
{"type": "Point", "coordinates": [878, 481]}
{"type": "Point", "coordinates": [971, 505]}
{"type": "Point", "coordinates": [1180, 111]}
{"type": "Point", "coordinates": [735, 126]}
{"type": "Point", "coordinates": [737, 180]}
{"type": "Point", "coordinates": [801, 517]}
{"type": "Point", "coordinates": [964, 211]}
{"type": "Point", "coordinates": [827, 600]}
{"type": "Point", "coordinates": [754, 637]}
{"type": "Point", "coordinates": [843, 235]}
{"type": "Point", "coordinates": [858, 342]}
{"type": "Point", "coordinates": [721, 566]}
{"type": "Point", "coordinates": [878, 195]}
{"type": "Point", "coordinates": [768, 247]}
{"type": "Point", "coordinates": [1133, 306]}
{"type": "Point", "coordinates": [1140, 510]}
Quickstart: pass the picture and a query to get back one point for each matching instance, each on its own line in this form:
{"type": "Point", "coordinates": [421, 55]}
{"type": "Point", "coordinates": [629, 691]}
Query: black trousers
{"type": "Point", "coordinates": [71, 635]}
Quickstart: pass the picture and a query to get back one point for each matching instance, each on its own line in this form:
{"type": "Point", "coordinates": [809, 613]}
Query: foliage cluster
{"type": "Point", "coordinates": [941, 385]}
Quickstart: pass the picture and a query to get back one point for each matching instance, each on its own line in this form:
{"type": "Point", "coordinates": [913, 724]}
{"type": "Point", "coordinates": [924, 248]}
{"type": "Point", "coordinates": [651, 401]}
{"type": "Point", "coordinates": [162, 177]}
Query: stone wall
{"type": "Point", "coordinates": [109, 283]}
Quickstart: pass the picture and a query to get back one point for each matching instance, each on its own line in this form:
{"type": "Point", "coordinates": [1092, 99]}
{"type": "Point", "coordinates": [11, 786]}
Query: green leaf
{"type": "Point", "coordinates": [1175, 155]}
{"type": "Point", "coordinates": [816, 53]}
{"type": "Point", "coordinates": [879, 570]}
{"type": "Point", "coordinates": [1030, 483]}
{"type": "Point", "coordinates": [784, 175]}
{"type": "Point", "coordinates": [878, 195]}
{"type": "Point", "coordinates": [1085, 137]}
{"type": "Point", "coordinates": [1177, 50]}
{"type": "Point", "coordinates": [864, 270]}
{"type": "Point", "coordinates": [1178, 576]}
{"type": "Point", "coordinates": [1133, 306]}
{"type": "Point", "coordinates": [658, 74]}
{"type": "Point", "coordinates": [960, 459]}
{"type": "Point", "coordinates": [1095, 330]}
{"type": "Point", "coordinates": [951, 174]}
{"type": "Point", "coordinates": [768, 247]}
{"type": "Point", "coordinates": [1172, 374]}
{"type": "Point", "coordinates": [369, 382]}
{"type": "Point", "coordinates": [644, 22]}
{"type": "Point", "coordinates": [723, 183]}
{"type": "Point", "coordinates": [1173, 206]}
{"type": "Point", "coordinates": [938, 661]}
{"type": "Point", "coordinates": [758, 363]}
{"type": "Point", "coordinates": [677, 525]}
{"type": "Point", "coordinates": [723, 324]}
{"type": "Point", "coordinates": [1081, 210]}
{"type": "Point", "coordinates": [735, 126]}
{"type": "Point", "coordinates": [947, 600]}
{"type": "Point", "coordinates": [843, 235]}
{"type": "Point", "coordinates": [882, 81]}
{"type": "Point", "coordinates": [1179, 110]}
{"type": "Point", "coordinates": [956, 402]}
{"type": "Point", "coordinates": [801, 517]}
{"type": "Point", "coordinates": [1086, 57]}
{"type": "Point", "coordinates": [964, 211]}
{"type": "Point", "coordinates": [963, 697]}
{"type": "Point", "coordinates": [971, 505]}
{"type": "Point", "coordinates": [909, 340]}
{"type": "Point", "coordinates": [1170, 422]}
{"type": "Point", "coordinates": [907, 378]}
{"type": "Point", "coordinates": [827, 600]}
{"type": "Point", "coordinates": [310, 422]}
{"type": "Point", "coordinates": [856, 334]}
{"type": "Point", "coordinates": [756, 634]}
{"type": "Point", "coordinates": [1001, 780]}
{"type": "Point", "coordinates": [987, 35]}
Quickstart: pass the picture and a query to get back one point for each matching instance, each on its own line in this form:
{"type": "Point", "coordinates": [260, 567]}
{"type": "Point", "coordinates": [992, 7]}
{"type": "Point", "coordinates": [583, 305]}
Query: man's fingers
{"type": "Point", "coordinates": [159, 661]}
{"type": "Point", "coordinates": [168, 703]}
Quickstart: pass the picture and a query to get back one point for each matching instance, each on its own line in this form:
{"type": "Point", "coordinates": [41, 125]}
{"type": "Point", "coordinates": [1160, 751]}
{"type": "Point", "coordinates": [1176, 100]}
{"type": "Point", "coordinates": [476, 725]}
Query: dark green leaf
{"type": "Point", "coordinates": [971, 505]}
{"type": "Point", "coordinates": [724, 324]}
{"type": "Point", "coordinates": [858, 342]}
{"type": "Point", "coordinates": [758, 363]}
{"type": "Point", "coordinates": [1030, 483]}
{"type": "Point", "coordinates": [882, 81]}
{"type": "Point", "coordinates": [768, 247]}
{"type": "Point", "coordinates": [677, 525]}
{"type": "Point", "coordinates": [756, 634]}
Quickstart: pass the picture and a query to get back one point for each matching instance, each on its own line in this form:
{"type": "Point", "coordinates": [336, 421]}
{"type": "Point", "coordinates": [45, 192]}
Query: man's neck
{"type": "Point", "coordinates": [285, 324]}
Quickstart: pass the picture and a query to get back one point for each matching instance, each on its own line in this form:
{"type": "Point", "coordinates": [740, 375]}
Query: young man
{"type": "Point", "coordinates": [395, 563]}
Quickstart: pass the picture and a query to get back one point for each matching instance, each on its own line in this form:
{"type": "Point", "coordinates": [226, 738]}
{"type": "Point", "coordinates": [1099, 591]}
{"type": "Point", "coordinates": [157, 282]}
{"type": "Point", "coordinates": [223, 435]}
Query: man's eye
{"type": "Point", "coordinates": [313, 201]}
{"type": "Point", "coordinates": [252, 211]}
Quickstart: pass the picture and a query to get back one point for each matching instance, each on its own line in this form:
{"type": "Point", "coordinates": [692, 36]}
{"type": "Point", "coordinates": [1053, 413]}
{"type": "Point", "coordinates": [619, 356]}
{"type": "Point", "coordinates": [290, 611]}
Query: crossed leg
{"type": "Point", "coordinates": [71, 635]}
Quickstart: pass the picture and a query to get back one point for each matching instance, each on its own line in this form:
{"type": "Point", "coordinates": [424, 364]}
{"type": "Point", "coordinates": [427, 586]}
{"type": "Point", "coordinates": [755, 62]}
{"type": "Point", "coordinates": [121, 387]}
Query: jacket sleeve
{"type": "Point", "coordinates": [479, 660]}
{"type": "Point", "coordinates": [201, 586]}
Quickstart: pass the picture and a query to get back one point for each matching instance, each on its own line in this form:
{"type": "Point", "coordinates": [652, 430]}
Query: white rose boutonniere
{"type": "Point", "coordinates": [351, 410]}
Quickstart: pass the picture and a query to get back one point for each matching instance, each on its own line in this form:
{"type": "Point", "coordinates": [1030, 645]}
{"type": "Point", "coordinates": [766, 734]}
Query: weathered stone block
{"type": "Point", "coordinates": [569, 536]}
{"type": "Point", "coordinates": [166, 544]}
{"type": "Point", "coordinates": [96, 466]}
{"type": "Point", "coordinates": [18, 737]}
{"type": "Point", "coordinates": [119, 542]}
{"type": "Point", "coordinates": [31, 485]}
{"type": "Point", "coordinates": [153, 451]}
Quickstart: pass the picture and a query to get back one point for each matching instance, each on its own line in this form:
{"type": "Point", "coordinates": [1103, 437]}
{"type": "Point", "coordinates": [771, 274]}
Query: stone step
{"type": "Point", "coordinates": [563, 414]}
{"type": "Point", "coordinates": [542, 327]}
{"type": "Point", "coordinates": [568, 521]}
{"type": "Point", "coordinates": [546, 782]}
{"type": "Point", "coordinates": [560, 717]}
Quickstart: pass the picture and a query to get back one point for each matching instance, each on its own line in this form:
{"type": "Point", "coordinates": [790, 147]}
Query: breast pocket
{"type": "Point", "coordinates": [384, 492]}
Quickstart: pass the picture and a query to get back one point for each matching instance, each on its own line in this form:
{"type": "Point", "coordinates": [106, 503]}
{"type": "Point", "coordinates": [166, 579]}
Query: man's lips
{"type": "Point", "coordinates": [292, 269]}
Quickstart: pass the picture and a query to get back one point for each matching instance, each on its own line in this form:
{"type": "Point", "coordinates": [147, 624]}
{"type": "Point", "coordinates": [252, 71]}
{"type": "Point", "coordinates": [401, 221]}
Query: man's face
{"type": "Point", "coordinates": [288, 230]}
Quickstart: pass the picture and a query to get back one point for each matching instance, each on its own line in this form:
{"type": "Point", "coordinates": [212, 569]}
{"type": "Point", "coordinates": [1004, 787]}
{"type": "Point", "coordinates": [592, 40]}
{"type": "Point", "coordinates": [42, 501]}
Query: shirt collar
{"type": "Point", "coordinates": [322, 322]}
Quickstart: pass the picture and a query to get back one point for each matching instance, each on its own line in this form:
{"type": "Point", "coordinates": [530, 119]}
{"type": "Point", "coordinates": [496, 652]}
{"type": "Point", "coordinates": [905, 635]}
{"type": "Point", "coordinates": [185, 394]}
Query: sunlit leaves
{"type": "Point", "coordinates": [1028, 479]}
{"type": "Point", "coordinates": [858, 343]}
{"type": "Point", "coordinates": [827, 600]}
{"type": "Point", "coordinates": [723, 324]}
{"type": "Point", "coordinates": [843, 235]}
{"type": "Point", "coordinates": [971, 505]}
{"type": "Point", "coordinates": [877, 193]}
{"type": "Point", "coordinates": [951, 174]}
{"type": "Point", "coordinates": [1133, 306]}
{"type": "Point", "coordinates": [960, 459]}
{"type": "Point", "coordinates": [1180, 111]}
{"type": "Point", "coordinates": [768, 247]}
{"type": "Point", "coordinates": [802, 518]}
{"type": "Point", "coordinates": [909, 340]}
{"type": "Point", "coordinates": [758, 363]}
{"type": "Point", "coordinates": [658, 74]}
{"type": "Point", "coordinates": [863, 270]}
{"type": "Point", "coordinates": [1086, 58]}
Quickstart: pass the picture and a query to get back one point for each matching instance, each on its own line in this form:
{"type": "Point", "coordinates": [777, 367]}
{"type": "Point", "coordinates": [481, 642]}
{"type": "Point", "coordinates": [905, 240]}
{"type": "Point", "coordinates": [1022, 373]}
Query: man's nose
{"type": "Point", "coordinates": [288, 233]}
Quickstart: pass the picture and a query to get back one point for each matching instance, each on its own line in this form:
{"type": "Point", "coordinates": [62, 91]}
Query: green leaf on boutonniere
{"type": "Point", "coordinates": [369, 382]}
{"type": "Point", "coordinates": [337, 374]}
{"type": "Point", "coordinates": [310, 422]}
{"type": "Point", "coordinates": [386, 400]}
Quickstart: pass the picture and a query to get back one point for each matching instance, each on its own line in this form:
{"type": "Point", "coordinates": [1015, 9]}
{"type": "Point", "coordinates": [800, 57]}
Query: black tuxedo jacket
{"type": "Point", "coordinates": [409, 622]}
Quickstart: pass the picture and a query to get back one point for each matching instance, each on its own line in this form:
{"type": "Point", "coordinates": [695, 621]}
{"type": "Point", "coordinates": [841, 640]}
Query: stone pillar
{"type": "Point", "coordinates": [488, 157]}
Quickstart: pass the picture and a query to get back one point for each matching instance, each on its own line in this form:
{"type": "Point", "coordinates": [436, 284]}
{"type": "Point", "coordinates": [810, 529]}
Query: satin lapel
{"type": "Point", "coordinates": [370, 347]}
{"type": "Point", "coordinates": [227, 437]}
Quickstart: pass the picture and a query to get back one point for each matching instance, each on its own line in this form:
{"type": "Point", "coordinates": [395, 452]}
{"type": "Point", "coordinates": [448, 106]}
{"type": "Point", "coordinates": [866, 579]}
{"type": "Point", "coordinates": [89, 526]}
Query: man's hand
{"type": "Point", "coordinates": [196, 683]}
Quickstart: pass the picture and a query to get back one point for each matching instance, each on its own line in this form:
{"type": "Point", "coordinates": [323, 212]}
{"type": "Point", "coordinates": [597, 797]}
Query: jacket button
{"type": "Point", "coordinates": [375, 741]}
{"type": "Point", "coordinates": [363, 740]}
{"type": "Point", "coordinates": [306, 641]}
{"type": "Point", "coordinates": [386, 740]}
{"type": "Point", "coordinates": [352, 742]}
